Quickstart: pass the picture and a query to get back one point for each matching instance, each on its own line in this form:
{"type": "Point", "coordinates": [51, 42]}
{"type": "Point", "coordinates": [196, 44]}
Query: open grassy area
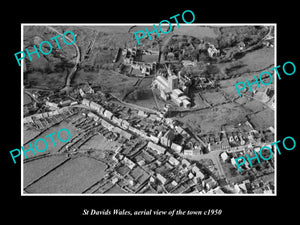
{"type": "Point", "coordinates": [263, 119]}
{"type": "Point", "coordinates": [111, 81]}
{"type": "Point", "coordinates": [52, 81]}
{"type": "Point", "coordinates": [37, 168]}
{"type": "Point", "coordinates": [51, 148]}
{"type": "Point", "coordinates": [200, 32]}
{"type": "Point", "coordinates": [211, 120]}
{"type": "Point", "coordinates": [213, 97]}
{"type": "Point", "coordinates": [74, 176]}
{"type": "Point", "coordinates": [99, 142]}
{"type": "Point", "coordinates": [29, 134]}
{"type": "Point", "coordinates": [26, 99]}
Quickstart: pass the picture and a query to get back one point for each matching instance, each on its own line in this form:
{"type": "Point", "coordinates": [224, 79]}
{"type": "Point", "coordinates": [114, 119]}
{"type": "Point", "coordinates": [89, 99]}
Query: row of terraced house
{"type": "Point", "coordinates": [124, 128]}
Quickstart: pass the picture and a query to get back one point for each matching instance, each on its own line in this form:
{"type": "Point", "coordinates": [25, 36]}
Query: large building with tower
{"type": "Point", "coordinates": [169, 87]}
{"type": "Point", "coordinates": [172, 82]}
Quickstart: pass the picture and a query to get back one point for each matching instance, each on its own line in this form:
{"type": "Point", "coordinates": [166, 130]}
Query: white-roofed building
{"type": "Point", "coordinates": [224, 156]}
{"type": "Point", "coordinates": [173, 161]}
{"type": "Point", "coordinates": [177, 92]}
{"type": "Point", "coordinates": [177, 148]}
{"type": "Point", "coordinates": [162, 179]}
{"type": "Point", "coordinates": [159, 149]}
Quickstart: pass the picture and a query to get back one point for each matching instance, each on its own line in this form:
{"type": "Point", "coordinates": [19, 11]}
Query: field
{"type": "Point", "coordinates": [37, 168]}
{"type": "Point", "coordinates": [51, 81]}
{"type": "Point", "coordinates": [74, 176]}
{"type": "Point", "coordinates": [260, 59]}
{"type": "Point", "coordinates": [111, 81]}
{"type": "Point", "coordinates": [51, 148]}
{"type": "Point", "coordinates": [253, 63]}
{"type": "Point", "coordinates": [29, 134]}
{"type": "Point", "coordinates": [99, 142]}
{"type": "Point", "coordinates": [231, 113]}
{"type": "Point", "coordinates": [200, 32]}
{"type": "Point", "coordinates": [254, 106]}
{"type": "Point", "coordinates": [147, 99]}
{"type": "Point", "coordinates": [26, 99]}
{"type": "Point", "coordinates": [213, 97]}
{"type": "Point", "coordinates": [211, 120]}
{"type": "Point", "coordinates": [263, 120]}
{"type": "Point", "coordinates": [199, 102]}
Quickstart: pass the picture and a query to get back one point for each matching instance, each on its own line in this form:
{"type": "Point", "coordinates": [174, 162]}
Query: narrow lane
{"type": "Point", "coordinates": [73, 71]}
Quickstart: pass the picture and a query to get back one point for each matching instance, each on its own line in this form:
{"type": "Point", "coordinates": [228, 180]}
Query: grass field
{"type": "Point", "coordinates": [29, 134]}
{"type": "Point", "coordinates": [52, 81]}
{"type": "Point", "coordinates": [99, 142]}
{"type": "Point", "coordinates": [111, 81]}
{"type": "Point", "coordinates": [195, 31]}
{"type": "Point", "coordinates": [212, 120]}
{"type": "Point", "coordinates": [263, 119]}
{"type": "Point", "coordinates": [51, 148]}
{"type": "Point", "coordinates": [26, 99]}
{"type": "Point", "coordinates": [35, 169]}
{"type": "Point", "coordinates": [213, 97]}
{"type": "Point", "coordinates": [74, 176]}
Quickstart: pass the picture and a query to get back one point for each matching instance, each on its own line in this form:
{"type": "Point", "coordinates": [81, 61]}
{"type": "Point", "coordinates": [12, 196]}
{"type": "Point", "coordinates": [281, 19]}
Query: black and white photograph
{"type": "Point", "coordinates": [109, 112]}
{"type": "Point", "coordinates": [167, 113]}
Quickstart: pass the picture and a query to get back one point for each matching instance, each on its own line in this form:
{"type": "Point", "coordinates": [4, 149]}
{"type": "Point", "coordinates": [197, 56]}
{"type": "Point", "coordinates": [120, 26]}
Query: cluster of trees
{"type": "Point", "coordinates": [97, 67]}
{"type": "Point", "coordinates": [250, 35]}
{"type": "Point", "coordinates": [210, 71]}
{"type": "Point", "coordinates": [186, 52]}
{"type": "Point", "coordinates": [184, 47]}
